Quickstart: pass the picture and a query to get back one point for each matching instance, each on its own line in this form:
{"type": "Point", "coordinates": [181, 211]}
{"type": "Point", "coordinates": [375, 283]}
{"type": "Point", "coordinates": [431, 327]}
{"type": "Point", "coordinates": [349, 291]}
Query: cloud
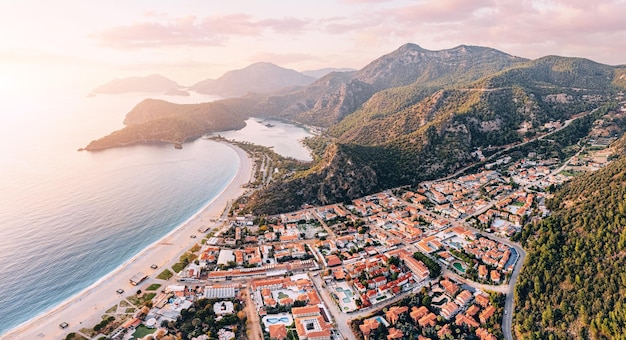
{"type": "Point", "coordinates": [192, 31]}
{"type": "Point", "coordinates": [529, 28]}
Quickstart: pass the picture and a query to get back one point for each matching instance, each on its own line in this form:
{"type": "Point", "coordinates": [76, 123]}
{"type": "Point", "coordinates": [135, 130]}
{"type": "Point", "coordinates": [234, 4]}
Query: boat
{"type": "Point", "coordinates": [270, 125]}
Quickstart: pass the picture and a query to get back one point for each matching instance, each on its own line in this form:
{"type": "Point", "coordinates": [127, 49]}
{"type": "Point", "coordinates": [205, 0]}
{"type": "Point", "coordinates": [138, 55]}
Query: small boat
{"type": "Point", "coordinates": [269, 125]}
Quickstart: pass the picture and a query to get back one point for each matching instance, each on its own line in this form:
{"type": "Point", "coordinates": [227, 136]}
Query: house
{"type": "Point", "coordinates": [333, 260]}
{"type": "Point", "coordinates": [449, 286]}
{"type": "Point", "coordinates": [394, 313]}
{"type": "Point", "coordinates": [486, 314]}
{"type": "Point", "coordinates": [394, 334]}
{"type": "Point", "coordinates": [495, 276]}
{"type": "Point", "coordinates": [278, 332]}
{"type": "Point", "coordinates": [484, 334]}
{"type": "Point", "coordinates": [428, 320]}
{"type": "Point", "coordinates": [462, 319]}
{"type": "Point", "coordinates": [482, 300]}
{"type": "Point", "coordinates": [368, 326]}
{"type": "Point", "coordinates": [482, 271]}
{"type": "Point", "coordinates": [472, 310]}
{"type": "Point", "coordinates": [449, 309]}
{"type": "Point", "coordinates": [463, 298]}
{"type": "Point", "coordinates": [417, 313]}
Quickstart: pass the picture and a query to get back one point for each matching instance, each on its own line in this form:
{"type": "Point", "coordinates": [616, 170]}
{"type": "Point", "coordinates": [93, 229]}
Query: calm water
{"type": "Point", "coordinates": [67, 218]}
{"type": "Point", "coordinates": [284, 138]}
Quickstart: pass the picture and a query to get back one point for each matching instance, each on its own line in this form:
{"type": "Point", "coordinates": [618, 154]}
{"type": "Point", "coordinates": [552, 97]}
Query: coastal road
{"type": "Point", "coordinates": [497, 154]}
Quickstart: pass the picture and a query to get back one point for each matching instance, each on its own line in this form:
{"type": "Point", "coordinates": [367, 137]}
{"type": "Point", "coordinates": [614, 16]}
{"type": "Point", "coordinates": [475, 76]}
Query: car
{"type": "Point", "coordinates": [193, 236]}
{"type": "Point", "coordinates": [64, 325]}
{"type": "Point", "coordinates": [154, 266]}
{"type": "Point", "coordinates": [120, 291]}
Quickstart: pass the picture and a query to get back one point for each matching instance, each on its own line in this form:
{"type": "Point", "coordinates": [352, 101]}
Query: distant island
{"type": "Point", "coordinates": [176, 92]}
{"type": "Point", "coordinates": [150, 84]}
{"type": "Point", "coordinates": [256, 78]}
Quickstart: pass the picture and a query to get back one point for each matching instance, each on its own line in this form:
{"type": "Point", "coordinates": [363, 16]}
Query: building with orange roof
{"type": "Point", "coordinates": [429, 319]}
{"type": "Point", "coordinates": [393, 313]}
{"type": "Point", "coordinates": [298, 312]}
{"type": "Point", "coordinates": [278, 332]}
{"type": "Point", "coordinates": [421, 337]}
{"type": "Point", "coordinates": [462, 319]}
{"type": "Point", "coordinates": [495, 276]}
{"type": "Point", "coordinates": [482, 271]}
{"type": "Point", "coordinates": [449, 286]}
{"type": "Point", "coordinates": [463, 298]}
{"type": "Point", "coordinates": [394, 333]}
{"type": "Point", "coordinates": [472, 310]}
{"type": "Point", "coordinates": [482, 300]}
{"type": "Point", "coordinates": [449, 309]}
{"type": "Point", "coordinates": [368, 326]}
{"type": "Point", "coordinates": [333, 260]}
{"type": "Point", "coordinates": [418, 313]}
{"type": "Point", "coordinates": [314, 299]}
{"type": "Point", "coordinates": [484, 334]}
{"type": "Point", "coordinates": [486, 314]}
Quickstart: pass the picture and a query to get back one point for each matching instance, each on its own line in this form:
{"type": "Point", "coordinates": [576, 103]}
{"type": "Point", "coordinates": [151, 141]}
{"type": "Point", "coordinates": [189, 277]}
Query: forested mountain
{"type": "Point", "coordinates": [573, 283]}
{"type": "Point", "coordinates": [256, 78]}
{"type": "Point", "coordinates": [408, 116]}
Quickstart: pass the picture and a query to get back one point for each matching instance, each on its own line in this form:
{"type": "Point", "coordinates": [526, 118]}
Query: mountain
{"type": "Point", "coordinates": [336, 95]}
{"type": "Point", "coordinates": [153, 84]}
{"type": "Point", "coordinates": [322, 72]}
{"type": "Point", "coordinates": [422, 131]}
{"type": "Point", "coordinates": [573, 285]}
{"type": "Point", "coordinates": [256, 78]}
{"type": "Point", "coordinates": [159, 121]}
{"type": "Point", "coordinates": [408, 116]}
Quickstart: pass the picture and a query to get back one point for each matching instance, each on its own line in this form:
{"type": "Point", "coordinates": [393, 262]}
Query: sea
{"type": "Point", "coordinates": [68, 218]}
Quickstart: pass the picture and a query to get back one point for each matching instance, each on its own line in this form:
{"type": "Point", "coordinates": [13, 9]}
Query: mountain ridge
{"type": "Point", "coordinates": [261, 77]}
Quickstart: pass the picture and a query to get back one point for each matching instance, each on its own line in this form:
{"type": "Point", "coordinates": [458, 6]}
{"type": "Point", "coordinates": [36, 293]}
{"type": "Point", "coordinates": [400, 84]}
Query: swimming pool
{"type": "Point", "coordinates": [277, 320]}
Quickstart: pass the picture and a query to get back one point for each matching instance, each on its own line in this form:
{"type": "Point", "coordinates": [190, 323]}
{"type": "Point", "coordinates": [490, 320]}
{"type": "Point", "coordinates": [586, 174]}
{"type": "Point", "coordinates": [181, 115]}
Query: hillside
{"type": "Point", "coordinates": [152, 84]}
{"type": "Point", "coordinates": [573, 285]}
{"type": "Point", "coordinates": [153, 121]}
{"type": "Point", "coordinates": [256, 78]}
{"type": "Point", "coordinates": [413, 133]}
{"type": "Point", "coordinates": [408, 116]}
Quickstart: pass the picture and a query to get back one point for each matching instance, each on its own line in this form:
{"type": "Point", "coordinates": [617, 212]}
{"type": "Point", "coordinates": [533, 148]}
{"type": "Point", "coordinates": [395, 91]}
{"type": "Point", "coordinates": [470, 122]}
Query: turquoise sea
{"type": "Point", "coordinates": [67, 218]}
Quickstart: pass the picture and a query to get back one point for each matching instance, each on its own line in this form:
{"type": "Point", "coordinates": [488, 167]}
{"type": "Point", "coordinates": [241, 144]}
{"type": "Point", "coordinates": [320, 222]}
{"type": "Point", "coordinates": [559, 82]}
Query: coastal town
{"type": "Point", "coordinates": [436, 261]}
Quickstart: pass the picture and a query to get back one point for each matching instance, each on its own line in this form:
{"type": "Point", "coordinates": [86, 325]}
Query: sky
{"type": "Point", "coordinates": [191, 40]}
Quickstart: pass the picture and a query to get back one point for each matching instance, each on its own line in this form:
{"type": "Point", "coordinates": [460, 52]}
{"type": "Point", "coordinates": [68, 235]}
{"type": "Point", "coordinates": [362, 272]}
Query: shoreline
{"type": "Point", "coordinates": [84, 308]}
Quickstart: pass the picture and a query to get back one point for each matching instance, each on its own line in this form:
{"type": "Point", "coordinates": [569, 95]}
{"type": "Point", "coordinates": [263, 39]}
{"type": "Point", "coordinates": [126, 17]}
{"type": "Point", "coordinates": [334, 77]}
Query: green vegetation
{"type": "Point", "coordinates": [103, 324]}
{"type": "Point", "coordinates": [142, 331]}
{"type": "Point", "coordinates": [141, 300]}
{"type": "Point", "coordinates": [130, 310]}
{"type": "Point", "coordinates": [165, 275]}
{"type": "Point", "coordinates": [573, 284]}
{"type": "Point", "coordinates": [201, 319]}
{"type": "Point", "coordinates": [112, 309]}
{"type": "Point", "coordinates": [177, 267]}
{"type": "Point", "coordinates": [74, 336]}
{"type": "Point", "coordinates": [154, 286]}
{"type": "Point", "coordinates": [432, 265]}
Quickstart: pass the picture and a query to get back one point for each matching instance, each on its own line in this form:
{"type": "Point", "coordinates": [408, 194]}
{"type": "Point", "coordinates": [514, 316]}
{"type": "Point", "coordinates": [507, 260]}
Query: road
{"type": "Point", "coordinates": [567, 123]}
{"type": "Point", "coordinates": [253, 318]}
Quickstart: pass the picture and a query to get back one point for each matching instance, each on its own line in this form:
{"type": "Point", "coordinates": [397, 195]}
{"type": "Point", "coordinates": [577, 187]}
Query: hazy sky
{"type": "Point", "coordinates": [189, 40]}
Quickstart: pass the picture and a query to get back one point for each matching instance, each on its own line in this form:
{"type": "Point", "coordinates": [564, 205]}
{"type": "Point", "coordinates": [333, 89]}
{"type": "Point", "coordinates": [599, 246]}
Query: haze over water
{"type": "Point", "coordinates": [68, 217]}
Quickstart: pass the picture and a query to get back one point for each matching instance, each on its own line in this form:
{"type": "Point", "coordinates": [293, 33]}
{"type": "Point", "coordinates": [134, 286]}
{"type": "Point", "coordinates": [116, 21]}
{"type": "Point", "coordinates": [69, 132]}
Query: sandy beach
{"type": "Point", "coordinates": [84, 310]}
